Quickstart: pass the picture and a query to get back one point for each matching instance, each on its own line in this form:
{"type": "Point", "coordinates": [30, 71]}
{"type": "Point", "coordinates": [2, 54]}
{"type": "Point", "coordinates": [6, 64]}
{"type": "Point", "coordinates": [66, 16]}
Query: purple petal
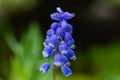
{"type": "Point", "coordinates": [59, 10]}
{"type": "Point", "coordinates": [44, 67]}
{"type": "Point", "coordinates": [50, 32]}
{"type": "Point", "coordinates": [67, 15]}
{"type": "Point", "coordinates": [70, 44]}
{"type": "Point", "coordinates": [70, 54]}
{"type": "Point", "coordinates": [54, 26]}
{"type": "Point", "coordinates": [59, 31]}
{"type": "Point", "coordinates": [53, 41]}
{"type": "Point", "coordinates": [66, 70]}
{"type": "Point", "coordinates": [60, 59]}
{"type": "Point", "coordinates": [57, 60]}
{"type": "Point", "coordinates": [67, 36]}
{"type": "Point", "coordinates": [63, 48]}
{"type": "Point", "coordinates": [55, 16]}
{"type": "Point", "coordinates": [69, 28]}
{"type": "Point", "coordinates": [46, 41]}
{"type": "Point", "coordinates": [47, 52]}
{"type": "Point", "coordinates": [63, 24]}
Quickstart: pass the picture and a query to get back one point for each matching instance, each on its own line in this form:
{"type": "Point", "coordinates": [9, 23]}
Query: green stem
{"type": "Point", "coordinates": [53, 72]}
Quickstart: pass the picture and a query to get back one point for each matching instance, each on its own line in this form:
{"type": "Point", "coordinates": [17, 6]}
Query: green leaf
{"type": "Point", "coordinates": [26, 61]}
{"type": "Point", "coordinates": [13, 44]}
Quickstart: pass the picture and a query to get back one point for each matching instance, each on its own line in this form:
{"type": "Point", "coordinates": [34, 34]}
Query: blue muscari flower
{"type": "Point", "coordinates": [53, 41]}
{"type": "Point", "coordinates": [60, 60]}
{"type": "Point", "coordinates": [67, 15]}
{"type": "Point", "coordinates": [66, 70]}
{"type": "Point", "coordinates": [59, 31]}
{"type": "Point", "coordinates": [50, 32]}
{"type": "Point", "coordinates": [70, 54]}
{"type": "Point", "coordinates": [60, 15]}
{"type": "Point", "coordinates": [67, 36]}
{"type": "Point", "coordinates": [59, 42]}
{"type": "Point", "coordinates": [69, 28]}
{"type": "Point", "coordinates": [44, 67]}
{"type": "Point", "coordinates": [63, 24]}
{"type": "Point", "coordinates": [63, 48]}
{"type": "Point", "coordinates": [47, 52]}
{"type": "Point", "coordinates": [46, 41]}
{"type": "Point", "coordinates": [56, 16]}
{"type": "Point", "coordinates": [70, 44]}
{"type": "Point", "coordinates": [59, 10]}
{"type": "Point", "coordinates": [54, 25]}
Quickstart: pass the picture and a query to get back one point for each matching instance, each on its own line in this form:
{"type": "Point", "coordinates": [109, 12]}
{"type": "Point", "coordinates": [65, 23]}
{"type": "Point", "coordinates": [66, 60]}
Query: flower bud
{"type": "Point", "coordinates": [60, 60]}
{"type": "Point", "coordinates": [50, 32]}
{"type": "Point", "coordinates": [56, 16]}
{"type": "Point", "coordinates": [47, 52]}
{"type": "Point", "coordinates": [69, 28]}
{"type": "Point", "coordinates": [70, 54]}
{"type": "Point", "coordinates": [46, 41]}
{"type": "Point", "coordinates": [54, 25]}
{"type": "Point", "coordinates": [44, 67]}
{"type": "Point", "coordinates": [59, 31]}
{"type": "Point", "coordinates": [67, 15]}
{"type": "Point", "coordinates": [66, 70]}
{"type": "Point", "coordinates": [70, 44]}
{"type": "Point", "coordinates": [67, 36]}
{"type": "Point", "coordinates": [53, 41]}
{"type": "Point", "coordinates": [63, 24]}
{"type": "Point", "coordinates": [59, 10]}
{"type": "Point", "coordinates": [63, 48]}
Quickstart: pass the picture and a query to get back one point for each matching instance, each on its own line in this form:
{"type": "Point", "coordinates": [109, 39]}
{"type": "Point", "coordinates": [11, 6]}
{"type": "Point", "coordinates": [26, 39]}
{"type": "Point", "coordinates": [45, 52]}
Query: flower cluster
{"type": "Point", "coordinates": [59, 42]}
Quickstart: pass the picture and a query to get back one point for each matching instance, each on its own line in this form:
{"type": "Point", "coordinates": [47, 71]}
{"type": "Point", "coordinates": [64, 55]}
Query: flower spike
{"type": "Point", "coordinates": [59, 42]}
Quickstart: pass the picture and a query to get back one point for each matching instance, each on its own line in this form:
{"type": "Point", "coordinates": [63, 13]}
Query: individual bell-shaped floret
{"type": "Point", "coordinates": [69, 28]}
{"type": "Point", "coordinates": [67, 15]}
{"type": "Point", "coordinates": [54, 26]}
{"type": "Point", "coordinates": [59, 31]}
{"type": "Point", "coordinates": [63, 24]}
{"type": "Point", "coordinates": [59, 10]}
{"type": "Point", "coordinates": [44, 67]}
{"type": "Point", "coordinates": [46, 41]}
{"type": "Point", "coordinates": [47, 52]}
{"type": "Point", "coordinates": [63, 48]}
{"type": "Point", "coordinates": [53, 40]}
{"type": "Point", "coordinates": [60, 60]}
{"type": "Point", "coordinates": [70, 54]}
{"type": "Point", "coordinates": [67, 36]}
{"type": "Point", "coordinates": [50, 32]}
{"type": "Point", "coordinates": [61, 15]}
{"type": "Point", "coordinates": [55, 16]}
{"type": "Point", "coordinates": [71, 44]}
{"type": "Point", "coordinates": [66, 70]}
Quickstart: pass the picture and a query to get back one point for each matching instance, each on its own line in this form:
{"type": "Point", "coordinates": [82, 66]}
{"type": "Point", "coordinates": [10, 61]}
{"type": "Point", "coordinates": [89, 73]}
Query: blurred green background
{"type": "Point", "coordinates": [23, 25]}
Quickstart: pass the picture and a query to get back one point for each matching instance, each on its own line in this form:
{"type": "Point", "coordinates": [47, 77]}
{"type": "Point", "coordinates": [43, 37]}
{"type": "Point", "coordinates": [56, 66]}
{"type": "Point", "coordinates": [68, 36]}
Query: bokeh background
{"type": "Point", "coordinates": [23, 25]}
